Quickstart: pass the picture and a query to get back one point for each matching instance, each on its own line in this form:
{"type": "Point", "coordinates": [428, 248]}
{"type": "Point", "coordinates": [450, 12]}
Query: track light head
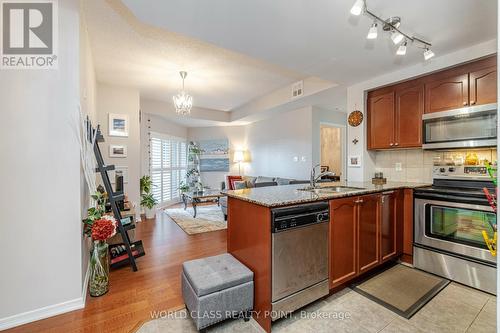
{"type": "Point", "coordinates": [396, 37]}
{"type": "Point", "coordinates": [428, 53]}
{"type": "Point", "coordinates": [402, 49]}
{"type": "Point", "coordinates": [358, 7]}
{"type": "Point", "coordinates": [372, 33]}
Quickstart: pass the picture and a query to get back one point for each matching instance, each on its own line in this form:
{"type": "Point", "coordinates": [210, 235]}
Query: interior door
{"type": "Point", "coordinates": [388, 226]}
{"type": "Point", "coordinates": [447, 94]}
{"type": "Point", "coordinates": [368, 232]}
{"type": "Point", "coordinates": [409, 110]}
{"type": "Point", "coordinates": [342, 241]}
{"type": "Point", "coordinates": [381, 121]}
{"type": "Point", "coordinates": [483, 86]}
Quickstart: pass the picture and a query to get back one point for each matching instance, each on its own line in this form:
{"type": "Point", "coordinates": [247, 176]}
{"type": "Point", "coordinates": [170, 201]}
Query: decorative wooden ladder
{"type": "Point", "coordinates": [133, 249]}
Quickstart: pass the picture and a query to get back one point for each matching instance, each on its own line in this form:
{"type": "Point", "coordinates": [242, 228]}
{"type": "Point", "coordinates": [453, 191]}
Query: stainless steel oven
{"type": "Point", "coordinates": [449, 219]}
{"type": "Point", "coordinates": [474, 126]}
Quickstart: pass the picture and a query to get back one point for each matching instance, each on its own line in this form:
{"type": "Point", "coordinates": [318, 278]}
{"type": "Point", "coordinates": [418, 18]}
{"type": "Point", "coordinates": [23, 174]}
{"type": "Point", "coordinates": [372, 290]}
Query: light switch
{"type": "Point", "coordinates": [295, 158]}
{"type": "Point", "coordinates": [399, 167]}
{"type": "Point", "coordinates": [303, 159]}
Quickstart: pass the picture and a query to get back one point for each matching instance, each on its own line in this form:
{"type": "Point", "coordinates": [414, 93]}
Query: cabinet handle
{"type": "Point", "coordinates": [396, 144]}
{"type": "Point", "coordinates": [391, 144]}
{"type": "Point", "coordinates": [465, 103]}
{"type": "Point", "coordinates": [472, 102]}
{"type": "Point", "coordinates": [358, 201]}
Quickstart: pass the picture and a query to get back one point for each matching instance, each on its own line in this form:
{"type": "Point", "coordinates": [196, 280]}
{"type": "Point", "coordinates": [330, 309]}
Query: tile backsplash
{"type": "Point", "coordinates": [415, 165]}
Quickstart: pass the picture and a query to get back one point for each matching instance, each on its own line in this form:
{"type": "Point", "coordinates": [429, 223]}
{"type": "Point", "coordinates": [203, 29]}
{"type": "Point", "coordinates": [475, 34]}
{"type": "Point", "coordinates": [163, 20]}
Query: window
{"type": "Point", "coordinates": [168, 166]}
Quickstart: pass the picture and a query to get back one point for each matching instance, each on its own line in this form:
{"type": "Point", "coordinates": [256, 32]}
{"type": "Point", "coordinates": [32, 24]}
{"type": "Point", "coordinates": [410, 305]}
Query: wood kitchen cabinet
{"type": "Point", "coordinates": [381, 121]}
{"type": "Point", "coordinates": [343, 240]}
{"type": "Point", "coordinates": [483, 86]}
{"type": "Point", "coordinates": [409, 109]}
{"type": "Point", "coordinates": [389, 230]}
{"type": "Point", "coordinates": [447, 93]}
{"type": "Point", "coordinates": [368, 232]}
{"type": "Point", "coordinates": [365, 232]}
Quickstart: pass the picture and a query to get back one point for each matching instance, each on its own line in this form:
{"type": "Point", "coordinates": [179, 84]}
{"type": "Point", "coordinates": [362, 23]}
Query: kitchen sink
{"type": "Point", "coordinates": [330, 189]}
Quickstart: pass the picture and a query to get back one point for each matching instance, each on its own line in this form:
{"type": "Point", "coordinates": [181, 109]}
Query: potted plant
{"type": "Point", "coordinates": [99, 227]}
{"type": "Point", "coordinates": [147, 199]}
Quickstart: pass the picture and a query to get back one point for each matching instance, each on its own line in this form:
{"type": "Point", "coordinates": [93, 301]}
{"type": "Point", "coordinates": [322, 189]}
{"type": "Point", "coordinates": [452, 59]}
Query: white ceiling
{"type": "Point", "coordinates": [238, 52]}
{"type": "Point", "coordinates": [320, 37]}
{"type": "Point", "coordinates": [129, 53]}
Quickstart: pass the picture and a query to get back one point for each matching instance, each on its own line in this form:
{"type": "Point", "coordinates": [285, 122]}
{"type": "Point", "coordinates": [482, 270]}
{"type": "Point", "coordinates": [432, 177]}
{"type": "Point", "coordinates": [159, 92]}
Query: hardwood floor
{"type": "Point", "coordinates": [133, 295]}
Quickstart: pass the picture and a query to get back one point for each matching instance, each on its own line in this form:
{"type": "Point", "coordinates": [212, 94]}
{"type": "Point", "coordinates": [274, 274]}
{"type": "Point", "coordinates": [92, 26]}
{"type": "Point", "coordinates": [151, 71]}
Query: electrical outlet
{"type": "Point", "coordinates": [399, 167]}
{"type": "Point", "coordinates": [303, 159]}
{"type": "Point", "coordinates": [295, 158]}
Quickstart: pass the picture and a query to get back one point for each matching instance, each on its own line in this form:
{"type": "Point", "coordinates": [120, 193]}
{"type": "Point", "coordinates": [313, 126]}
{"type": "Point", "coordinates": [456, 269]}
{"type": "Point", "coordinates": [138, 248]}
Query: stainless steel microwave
{"type": "Point", "coordinates": [474, 126]}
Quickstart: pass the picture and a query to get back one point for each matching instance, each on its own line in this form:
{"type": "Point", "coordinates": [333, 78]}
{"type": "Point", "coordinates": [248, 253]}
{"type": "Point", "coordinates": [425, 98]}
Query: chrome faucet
{"type": "Point", "coordinates": [315, 178]}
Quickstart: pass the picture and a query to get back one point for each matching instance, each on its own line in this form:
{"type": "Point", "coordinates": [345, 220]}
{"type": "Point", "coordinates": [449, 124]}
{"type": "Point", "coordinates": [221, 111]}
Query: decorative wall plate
{"type": "Point", "coordinates": [355, 118]}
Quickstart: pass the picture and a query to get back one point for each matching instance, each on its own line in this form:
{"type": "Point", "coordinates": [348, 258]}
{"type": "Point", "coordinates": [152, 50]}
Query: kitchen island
{"type": "Point", "coordinates": [369, 225]}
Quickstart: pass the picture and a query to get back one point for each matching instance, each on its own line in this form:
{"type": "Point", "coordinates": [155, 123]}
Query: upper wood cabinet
{"type": "Point", "coordinates": [409, 110]}
{"type": "Point", "coordinates": [381, 120]}
{"type": "Point", "coordinates": [483, 86]}
{"type": "Point", "coordinates": [447, 94]}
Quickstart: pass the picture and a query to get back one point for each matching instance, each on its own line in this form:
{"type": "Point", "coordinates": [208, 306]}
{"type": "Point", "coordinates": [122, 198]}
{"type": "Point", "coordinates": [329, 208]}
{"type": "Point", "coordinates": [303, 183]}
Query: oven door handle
{"type": "Point", "coordinates": [452, 198]}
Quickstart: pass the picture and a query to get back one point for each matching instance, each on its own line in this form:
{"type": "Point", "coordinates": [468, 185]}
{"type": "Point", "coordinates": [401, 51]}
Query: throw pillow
{"type": "Point", "coordinates": [231, 180]}
{"type": "Point", "coordinates": [282, 181]}
{"type": "Point", "coordinates": [262, 179]}
{"type": "Point", "coordinates": [239, 184]}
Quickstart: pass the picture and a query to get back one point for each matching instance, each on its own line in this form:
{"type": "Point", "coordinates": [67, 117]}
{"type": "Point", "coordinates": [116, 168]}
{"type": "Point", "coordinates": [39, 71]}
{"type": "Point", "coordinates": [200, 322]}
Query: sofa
{"type": "Point", "coordinates": [242, 182]}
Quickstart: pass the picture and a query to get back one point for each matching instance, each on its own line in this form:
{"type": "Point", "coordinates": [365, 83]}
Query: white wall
{"type": "Point", "coordinates": [272, 145]}
{"type": "Point", "coordinates": [356, 99]}
{"type": "Point", "coordinates": [120, 100]}
{"type": "Point", "coordinates": [40, 232]}
{"type": "Point", "coordinates": [88, 91]}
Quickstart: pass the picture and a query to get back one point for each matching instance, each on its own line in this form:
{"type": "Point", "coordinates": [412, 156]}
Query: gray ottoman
{"type": "Point", "coordinates": [217, 288]}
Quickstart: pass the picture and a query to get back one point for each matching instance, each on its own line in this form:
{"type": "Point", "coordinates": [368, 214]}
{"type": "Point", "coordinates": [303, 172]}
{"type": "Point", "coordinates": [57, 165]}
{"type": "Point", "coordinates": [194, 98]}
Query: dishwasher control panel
{"type": "Point", "coordinates": [299, 216]}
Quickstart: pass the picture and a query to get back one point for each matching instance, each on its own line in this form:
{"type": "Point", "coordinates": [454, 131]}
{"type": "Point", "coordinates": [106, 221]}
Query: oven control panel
{"type": "Point", "coordinates": [459, 171]}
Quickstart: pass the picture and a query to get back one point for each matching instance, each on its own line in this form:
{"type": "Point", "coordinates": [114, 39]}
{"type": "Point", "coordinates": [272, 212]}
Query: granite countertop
{"type": "Point", "coordinates": [275, 196]}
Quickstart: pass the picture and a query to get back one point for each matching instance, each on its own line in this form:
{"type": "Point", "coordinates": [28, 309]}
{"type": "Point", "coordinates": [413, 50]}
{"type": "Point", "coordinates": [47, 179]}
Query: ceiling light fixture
{"type": "Point", "coordinates": [428, 53]}
{"type": "Point", "coordinates": [391, 25]}
{"type": "Point", "coordinates": [373, 32]}
{"type": "Point", "coordinates": [183, 102]}
{"type": "Point", "coordinates": [358, 7]}
{"type": "Point", "coordinates": [402, 49]}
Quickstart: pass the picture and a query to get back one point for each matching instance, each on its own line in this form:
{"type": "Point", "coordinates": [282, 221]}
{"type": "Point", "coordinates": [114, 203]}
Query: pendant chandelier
{"type": "Point", "coordinates": [183, 102]}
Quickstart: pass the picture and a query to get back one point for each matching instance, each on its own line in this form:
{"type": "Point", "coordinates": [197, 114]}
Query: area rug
{"type": "Point", "coordinates": [208, 218]}
{"type": "Point", "coordinates": [401, 289]}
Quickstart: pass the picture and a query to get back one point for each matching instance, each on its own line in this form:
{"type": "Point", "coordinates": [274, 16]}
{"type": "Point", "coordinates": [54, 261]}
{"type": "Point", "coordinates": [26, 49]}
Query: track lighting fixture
{"type": "Point", "coordinates": [392, 26]}
{"type": "Point", "coordinates": [428, 53]}
{"type": "Point", "coordinates": [372, 33]}
{"type": "Point", "coordinates": [402, 49]}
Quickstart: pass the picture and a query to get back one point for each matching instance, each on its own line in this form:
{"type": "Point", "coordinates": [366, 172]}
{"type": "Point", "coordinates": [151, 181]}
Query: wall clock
{"type": "Point", "coordinates": [355, 118]}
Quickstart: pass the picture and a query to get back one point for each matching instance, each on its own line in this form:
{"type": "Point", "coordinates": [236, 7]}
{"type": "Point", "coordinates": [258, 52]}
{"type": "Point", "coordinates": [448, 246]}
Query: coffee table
{"type": "Point", "coordinates": [196, 197]}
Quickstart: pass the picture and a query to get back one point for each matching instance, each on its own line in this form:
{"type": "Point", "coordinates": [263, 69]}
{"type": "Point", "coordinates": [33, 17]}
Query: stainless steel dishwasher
{"type": "Point", "coordinates": [299, 256]}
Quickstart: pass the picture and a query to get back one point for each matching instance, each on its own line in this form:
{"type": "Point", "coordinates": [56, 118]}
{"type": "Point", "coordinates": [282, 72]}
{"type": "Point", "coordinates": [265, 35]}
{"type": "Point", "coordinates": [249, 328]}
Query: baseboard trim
{"type": "Point", "coordinates": [42, 313]}
{"type": "Point", "coordinates": [47, 311]}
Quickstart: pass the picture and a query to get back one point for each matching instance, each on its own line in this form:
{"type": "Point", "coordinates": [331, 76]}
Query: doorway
{"type": "Point", "coordinates": [332, 150]}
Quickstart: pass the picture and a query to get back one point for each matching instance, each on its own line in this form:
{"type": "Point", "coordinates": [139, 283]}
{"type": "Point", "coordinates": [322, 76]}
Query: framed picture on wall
{"type": "Point", "coordinates": [117, 151]}
{"type": "Point", "coordinates": [354, 161]}
{"type": "Point", "coordinates": [118, 125]}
